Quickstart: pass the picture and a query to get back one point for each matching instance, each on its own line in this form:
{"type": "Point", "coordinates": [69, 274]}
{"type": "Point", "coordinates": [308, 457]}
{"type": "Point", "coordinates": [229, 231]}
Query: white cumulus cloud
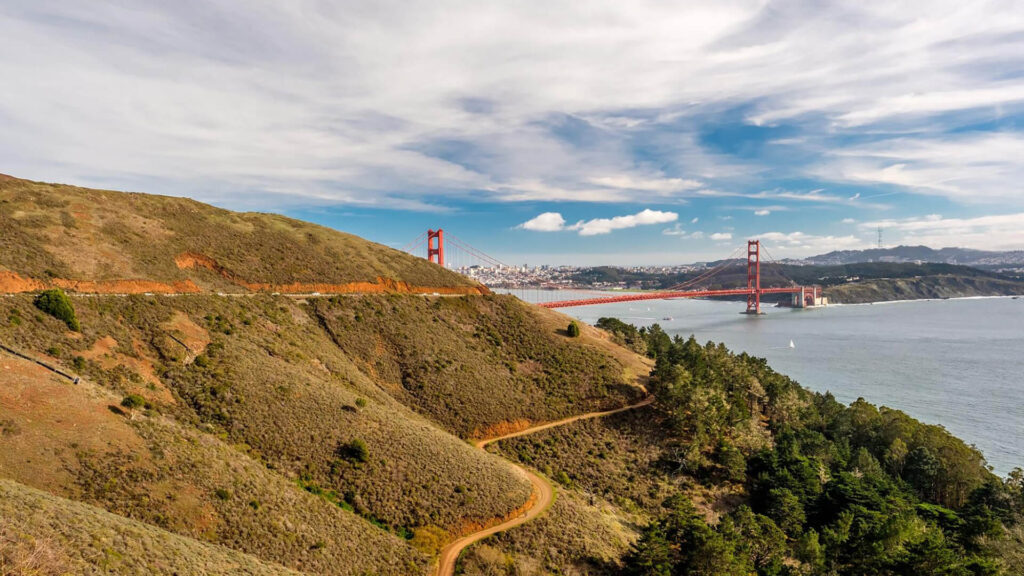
{"type": "Point", "coordinates": [554, 222]}
{"type": "Point", "coordinates": [606, 225]}
{"type": "Point", "coordinates": [762, 212]}
{"type": "Point", "coordinates": [546, 222]}
{"type": "Point", "coordinates": [718, 236]}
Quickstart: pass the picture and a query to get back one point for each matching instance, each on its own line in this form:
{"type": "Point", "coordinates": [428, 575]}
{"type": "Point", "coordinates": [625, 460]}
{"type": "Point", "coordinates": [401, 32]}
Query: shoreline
{"type": "Point", "coordinates": [881, 302]}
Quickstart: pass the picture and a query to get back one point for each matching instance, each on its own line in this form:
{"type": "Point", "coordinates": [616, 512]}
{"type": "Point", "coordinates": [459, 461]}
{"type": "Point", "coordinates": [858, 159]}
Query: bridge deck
{"type": "Point", "coordinates": [667, 295]}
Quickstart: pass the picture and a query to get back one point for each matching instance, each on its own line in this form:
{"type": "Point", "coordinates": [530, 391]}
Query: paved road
{"type": "Point", "coordinates": [543, 491]}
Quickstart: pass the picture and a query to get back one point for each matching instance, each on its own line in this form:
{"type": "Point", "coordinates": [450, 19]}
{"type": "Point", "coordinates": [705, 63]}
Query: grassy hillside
{"type": "Point", "coordinates": [103, 241]}
{"type": "Point", "coordinates": [480, 366]}
{"type": "Point", "coordinates": [269, 427]}
{"type": "Point", "coordinates": [883, 290]}
{"type": "Point", "coordinates": [43, 535]}
{"type": "Point", "coordinates": [846, 283]}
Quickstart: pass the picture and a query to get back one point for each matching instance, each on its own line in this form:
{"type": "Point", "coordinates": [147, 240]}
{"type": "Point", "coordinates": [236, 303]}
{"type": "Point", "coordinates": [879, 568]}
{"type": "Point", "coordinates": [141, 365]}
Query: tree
{"type": "Point", "coordinates": [809, 551]}
{"type": "Point", "coordinates": [787, 511]}
{"type": "Point", "coordinates": [896, 456]}
{"type": "Point", "coordinates": [921, 471]}
{"type": "Point", "coordinates": [133, 402]}
{"type": "Point", "coordinates": [573, 329]}
{"type": "Point", "coordinates": [57, 304]}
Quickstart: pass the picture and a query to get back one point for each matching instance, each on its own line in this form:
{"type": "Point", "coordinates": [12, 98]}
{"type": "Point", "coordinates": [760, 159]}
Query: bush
{"type": "Point", "coordinates": [355, 450]}
{"type": "Point", "coordinates": [134, 401]}
{"type": "Point", "coordinates": [573, 330]}
{"type": "Point", "coordinates": [57, 304]}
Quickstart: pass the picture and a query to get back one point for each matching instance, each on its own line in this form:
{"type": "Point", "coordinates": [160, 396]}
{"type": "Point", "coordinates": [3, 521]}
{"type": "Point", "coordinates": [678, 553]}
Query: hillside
{"type": "Point", "coordinates": [846, 283]}
{"type": "Point", "coordinates": [964, 256]}
{"type": "Point", "coordinates": [737, 470]}
{"type": "Point", "coordinates": [325, 435]}
{"type": "Point", "coordinates": [114, 242]}
{"type": "Point", "coordinates": [45, 535]}
{"type": "Point", "coordinates": [938, 286]}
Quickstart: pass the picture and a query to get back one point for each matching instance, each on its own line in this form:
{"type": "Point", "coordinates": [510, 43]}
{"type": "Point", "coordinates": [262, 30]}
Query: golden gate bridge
{"type": "Point", "coordinates": [461, 255]}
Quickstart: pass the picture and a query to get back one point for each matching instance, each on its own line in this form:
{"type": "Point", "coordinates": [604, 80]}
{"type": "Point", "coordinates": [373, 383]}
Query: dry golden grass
{"type": "Point", "coordinates": [43, 535]}
{"type": "Point", "coordinates": [54, 230]}
{"type": "Point", "coordinates": [476, 364]}
{"type": "Point", "coordinates": [580, 535]}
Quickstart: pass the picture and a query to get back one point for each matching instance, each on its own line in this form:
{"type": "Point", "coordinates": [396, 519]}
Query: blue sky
{"type": "Point", "coordinates": [581, 133]}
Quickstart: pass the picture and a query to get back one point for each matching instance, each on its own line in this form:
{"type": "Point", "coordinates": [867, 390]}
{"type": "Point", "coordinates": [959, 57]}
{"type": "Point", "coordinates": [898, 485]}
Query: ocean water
{"type": "Point", "coordinates": [958, 362]}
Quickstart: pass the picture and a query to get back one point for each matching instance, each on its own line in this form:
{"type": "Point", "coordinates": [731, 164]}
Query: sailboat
{"type": "Point", "coordinates": [791, 345]}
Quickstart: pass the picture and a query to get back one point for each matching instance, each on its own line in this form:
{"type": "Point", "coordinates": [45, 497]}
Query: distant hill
{"type": "Point", "coordinates": [964, 256]}
{"type": "Point", "coordinates": [101, 241]}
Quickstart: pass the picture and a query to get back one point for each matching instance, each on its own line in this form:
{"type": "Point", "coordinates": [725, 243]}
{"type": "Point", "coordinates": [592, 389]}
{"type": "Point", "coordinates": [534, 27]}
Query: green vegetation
{"type": "Point", "coordinates": [736, 469]}
{"type": "Point", "coordinates": [57, 304]}
{"type": "Point", "coordinates": [573, 330]}
{"type": "Point", "coordinates": [355, 451]}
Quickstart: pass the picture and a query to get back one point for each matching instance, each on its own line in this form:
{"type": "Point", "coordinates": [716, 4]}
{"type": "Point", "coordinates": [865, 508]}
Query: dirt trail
{"type": "Point", "coordinates": [543, 491]}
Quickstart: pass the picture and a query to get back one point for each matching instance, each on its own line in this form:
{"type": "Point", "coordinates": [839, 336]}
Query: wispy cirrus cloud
{"type": "Point", "coordinates": [970, 168]}
{"type": "Point", "coordinates": [383, 103]}
{"type": "Point", "coordinates": [1001, 231]}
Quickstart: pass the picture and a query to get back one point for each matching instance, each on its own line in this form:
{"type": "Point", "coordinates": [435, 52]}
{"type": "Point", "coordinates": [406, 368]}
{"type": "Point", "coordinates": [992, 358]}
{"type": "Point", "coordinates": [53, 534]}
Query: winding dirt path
{"type": "Point", "coordinates": [543, 491]}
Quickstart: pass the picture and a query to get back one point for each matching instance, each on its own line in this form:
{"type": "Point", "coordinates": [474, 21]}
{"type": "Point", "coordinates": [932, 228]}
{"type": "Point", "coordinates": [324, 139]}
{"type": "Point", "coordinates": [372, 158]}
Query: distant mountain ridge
{"type": "Point", "coordinates": [963, 256]}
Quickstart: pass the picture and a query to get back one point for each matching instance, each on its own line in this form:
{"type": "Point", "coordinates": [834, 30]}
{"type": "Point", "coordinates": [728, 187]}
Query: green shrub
{"type": "Point", "coordinates": [222, 494]}
{"type": "Point", "coordinates": [361, 402]}
{"type": "Point", "coordinates": [134, 401]}
{"type": "Point", "coordinates": [78, 363]}
{"type": "Point", "coordinates": [355, 450]}
{"type": "Point", "coordinates": [57, 304]}
{"type": "Point", "coordinates": [573, 330]}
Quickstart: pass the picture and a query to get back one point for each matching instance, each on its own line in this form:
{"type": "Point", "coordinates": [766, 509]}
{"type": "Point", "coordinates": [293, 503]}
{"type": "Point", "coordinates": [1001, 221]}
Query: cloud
{"type": "Point", "coordinates": [993, 232]}
{"type": "Point", "coordinates": [546, 222]}
{"type": "Point", "coordinates": [658, 185]}
{"type": "Point", "coordinates": [694, 220]}
{"type": "Point", "coordinates": [762, 212]}
{"type": "Point", "coordinates": [718, 236]}
{"type": "Point", "coordinates": [554, 222]}
{"type": "Point", "coordinates": [388, 104]}
{"type": "Point", "coordinates": [969, 168]}
{"type": "Point", "coordinates": [605, 225]}
{"type": "Point", "coordinates": [801, 244]}
{"type": "Point", "coordinates": [676, 230]}
{"type": "Point", "coordinates": [849, 221]}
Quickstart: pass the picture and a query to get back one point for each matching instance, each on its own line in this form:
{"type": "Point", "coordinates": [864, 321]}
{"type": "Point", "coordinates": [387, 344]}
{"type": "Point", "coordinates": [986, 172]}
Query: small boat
{"type": "Point", "coordinates": [668, 318]}
{"type": "Point", "coordinates": [791, 344]}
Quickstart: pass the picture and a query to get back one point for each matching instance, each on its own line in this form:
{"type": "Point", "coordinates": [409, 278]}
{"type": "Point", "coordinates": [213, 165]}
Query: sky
{"type": "Point", "coordinates": [583, 133]}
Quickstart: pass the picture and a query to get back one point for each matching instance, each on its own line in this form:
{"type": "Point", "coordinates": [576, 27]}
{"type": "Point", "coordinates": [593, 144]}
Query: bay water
{"type": "Point", "coordinates": [958, 363]}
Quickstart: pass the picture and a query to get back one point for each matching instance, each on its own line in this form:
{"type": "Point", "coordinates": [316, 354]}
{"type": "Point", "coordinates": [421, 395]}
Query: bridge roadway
{"type": "Point", "coordinates": [685, 294]}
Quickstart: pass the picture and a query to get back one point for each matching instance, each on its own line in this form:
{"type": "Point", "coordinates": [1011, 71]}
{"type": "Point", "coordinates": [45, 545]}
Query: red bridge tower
{"type": "Point", "coordinates": [753, 276]}
{"type": "Point", "coordinates": [435, 252]}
